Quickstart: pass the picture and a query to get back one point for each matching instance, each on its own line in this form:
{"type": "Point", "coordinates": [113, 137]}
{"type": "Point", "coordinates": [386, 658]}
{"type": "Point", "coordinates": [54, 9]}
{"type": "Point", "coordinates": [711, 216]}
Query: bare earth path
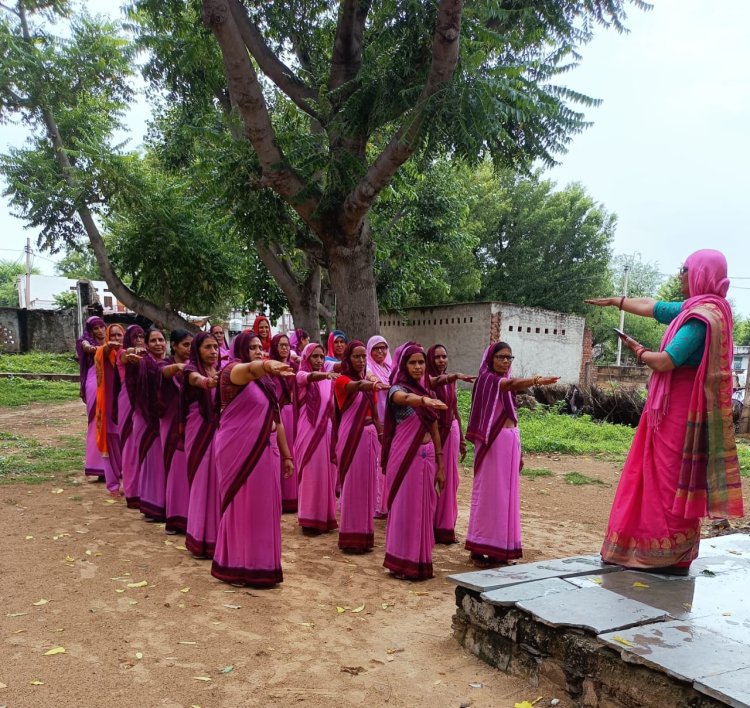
{"type": "Point", "coordinates": [185, 639]}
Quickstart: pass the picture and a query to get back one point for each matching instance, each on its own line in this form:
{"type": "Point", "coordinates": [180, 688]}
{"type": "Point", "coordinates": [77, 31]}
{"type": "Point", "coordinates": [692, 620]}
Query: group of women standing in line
{"type": "Point", "coordinates": [218, 442]}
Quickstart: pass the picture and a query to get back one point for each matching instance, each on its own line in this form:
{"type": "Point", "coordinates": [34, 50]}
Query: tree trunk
{"type": "Point", "coordinates": [352, 274]}
{"type": "Point", "coordinates": [304, 304]}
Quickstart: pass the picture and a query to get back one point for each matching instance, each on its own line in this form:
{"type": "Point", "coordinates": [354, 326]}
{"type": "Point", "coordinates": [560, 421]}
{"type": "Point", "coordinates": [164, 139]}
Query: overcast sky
{"type": "Point", "coordinates": [668, 149]}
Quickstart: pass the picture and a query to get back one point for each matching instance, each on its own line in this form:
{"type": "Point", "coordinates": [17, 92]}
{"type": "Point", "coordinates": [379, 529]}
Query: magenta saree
{"type": "Point", "coordinates": [248, 546]}
{"type": "Point", "coordinates": [94, 464]}
{"type": "Point", "coordinates": [175, 461]}
{"type": "Point", "coordinates": [358, 454]}
{"type": "Point", "coordinates": [128, 443]}
{"type": "Point", "coordinates": [312, 445]}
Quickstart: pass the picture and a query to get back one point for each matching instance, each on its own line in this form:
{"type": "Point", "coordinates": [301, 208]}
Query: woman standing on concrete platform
{"type": "Point", "coordinates": [200, 416]}
{"type": "Point", "coordinates": [152, 482]}
{"type": "Point", "coordinates": [413, 461]}
{"type": "Point", "coordinates": [132, 350]}
{"type": "Point", "coordinates": [494, 533]}
{"type": "Point", "coordinates": [172, 432]}
{"type": "Point", "coordinates": [452, 440]}
{"type": "Point", "coordinates": [357, 449]}
{"type": "Point", "coordinates": [280, 351]}
{"type": "Point", "coordinates": [93, 336]}
{"type": "Point", "coordinates": [683, 463]}
{"type": "Point", "coordinates": [312, 445]}
{"type": "Point", "coordinates": [107, 421]}
{"type": "Point", "coordinates": [248, 547]}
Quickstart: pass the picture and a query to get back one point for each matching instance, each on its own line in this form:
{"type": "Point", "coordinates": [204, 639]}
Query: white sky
{"type": "Point", "coordinates": [668, 151]}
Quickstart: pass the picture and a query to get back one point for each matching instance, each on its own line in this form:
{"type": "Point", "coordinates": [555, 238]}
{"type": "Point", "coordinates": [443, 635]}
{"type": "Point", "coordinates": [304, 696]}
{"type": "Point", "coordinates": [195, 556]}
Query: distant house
{"type": "Point", "coordinates": [45, 287]}
{"type": "Point", "coordinates": [740, 363]}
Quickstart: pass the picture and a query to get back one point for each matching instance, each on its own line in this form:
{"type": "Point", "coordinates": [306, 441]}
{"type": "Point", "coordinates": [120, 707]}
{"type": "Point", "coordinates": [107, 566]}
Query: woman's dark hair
{"type": "Point", "coordinates": [151, 330]}
{"type": "Point", "coordinates": [499, 346]}
{"type": "Point", "coordinates": [178, 335]}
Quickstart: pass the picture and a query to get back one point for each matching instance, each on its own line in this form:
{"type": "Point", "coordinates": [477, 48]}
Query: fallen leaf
{"type": "Point", "coordinates": [623, 641]}
{"type": "Point", "coordinates": [141, 584]}
{"type": "Point", "coordinates": [385, 605]}
{"type": "Point", "coordinates": [726, 614]}
{"type": "Point", "coordinates": [56, 650]}
{"type": "Point", "coordinates": [119, 589]}
{"type": "Point", "coordinates": [421, 592]}
{"type": "Point", "coordinates": [233, 607]}
{"type": "Point", "coordinates": [640, 585]}
{"type": "Point", "coordinates": [69, 559]}
{"type": "Point", "coordinates": [36, 683]}
{"type": "Point", "coordinates": [524, 704]}
{"type": "Point", "coordinates": [139, 655]}
{"type": "Point", "coordinates": [57, 491]}
{"type": "Point", "coordinates": [187, 642]}
{"type": "Point", "coordinates": [709, 573]}
{"type": "Point", "coordinates": [358, 609]}
{"type": "Point", "coordinates": [19, 631]}
{"type": "Point", "coordinates": [17, 614]}
{"type": "Point", "coordinates": [687, 605]}
{"type": "Point", "coordinates": [394, 650]}
{"type": "Point", "coordinates": [340, 610]}
{"type": "Point", "coordinates": [39, 603]}
{"type": "Point", "coordinates": [435, 683]}
{"type": "Point", "coordinates": [598, 581]}
{"type": "Point", "coordinates": [230, 592]}
{"type": "Point", "coordinates": [353, 670]}
{"type": "Point", "coordinates": [88, 553]}
{"type": "Point", "coordinates": [133, 602]}
{"type": "Point", "coordinates": [96, 554]}
{"type": "Point", "coordinates": [476, 685]}
{"type": "Point", "coordinates": [307, 624]}
{"type": "Point", "coordinates": [201, 678]}
{"type": "Point", "coordinates": [736, 553]}
{"type": "Point", "coordinates": [185, 590]}
{"type": "Point", "coordinates": [28, 538]}
{"type": "Point", "coordinates": [3, 685]}
{"type": "Point", "coordinates": [109, 501]}
{"type": "Point", "coordinates": [227, 669]}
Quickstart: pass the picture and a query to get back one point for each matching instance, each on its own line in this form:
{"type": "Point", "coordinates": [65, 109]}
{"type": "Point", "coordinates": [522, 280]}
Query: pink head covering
{"type": "Point", "coordinates": [382, 371]}
{"type": "Point", "coordinates": [310, 395]}
{"type": "Point", "coordinates": [707, 273]}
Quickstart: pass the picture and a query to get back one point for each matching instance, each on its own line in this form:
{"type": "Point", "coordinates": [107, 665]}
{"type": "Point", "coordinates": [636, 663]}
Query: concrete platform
{"type": "Point", "coordinates": [618, 638]}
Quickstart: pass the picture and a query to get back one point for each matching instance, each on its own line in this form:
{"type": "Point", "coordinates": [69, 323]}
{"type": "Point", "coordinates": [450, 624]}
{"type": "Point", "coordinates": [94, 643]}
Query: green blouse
{"type": "Point", "coordinates": [686, 347]}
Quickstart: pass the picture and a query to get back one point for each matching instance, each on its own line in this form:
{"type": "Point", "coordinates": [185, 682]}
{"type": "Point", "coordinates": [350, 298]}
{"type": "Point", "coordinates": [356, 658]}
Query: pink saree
{"type": "Point", "coordinates": [203, 506]}
{"type": "Point", "coordinates": [446, 510]}
{"type": "Point", "coordinates": [312, 446]}
{"type": "Point", "coordinates": [410, 481]}
{"type": "Point", "coordinates": [129, 446]}
{"type": "Point", "coordinates": [94, 465]}
{"type": "Point", "coordinates": [357, 452]}
{"type": "Point", "coordinates": [248, 546]}
{"type": "Point", "coordinates": [175, 462]}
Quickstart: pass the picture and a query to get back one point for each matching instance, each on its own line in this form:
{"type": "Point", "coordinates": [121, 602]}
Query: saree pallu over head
{"type": "Point", "coordinates": [86, 361]}
{"type": "Point", "coordinates": [490, 407]}
{"type": "Point", "coordinates": [443, 392]}
{"type": "Point", "coordinates": [332, 337]}
{"type": "Point", "coordinates": [107, 390]}
{"type": "Point", "coordinates": [426, 417]}
{"type": "Point", "coordinates": [308, 395]}
{"type": "Point", "coordinates": [265, 341]}
{"type": "Point", "coordinates": [205, 397]}
{"type": "Point", "coordinates": [709, 482]}
{"type": "Point", "coordinates": [296, 337]}
{"type": "Point", "coordinates": [131, 372]}
{"type": "Point", "coordinates": [382, 371]}
{"type": "Point", "coordinates": [284, 385]}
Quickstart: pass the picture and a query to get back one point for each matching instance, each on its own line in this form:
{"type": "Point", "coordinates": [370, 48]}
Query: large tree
{"type": "Point", "coordinates": [367, 85]}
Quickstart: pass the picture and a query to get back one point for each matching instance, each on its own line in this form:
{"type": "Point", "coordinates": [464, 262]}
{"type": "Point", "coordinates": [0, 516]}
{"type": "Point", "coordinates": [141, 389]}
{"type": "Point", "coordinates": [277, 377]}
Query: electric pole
{"type": "Point", "coordinates": [622, 315]}
{"type": "Point", "coordinates": [28, 272]}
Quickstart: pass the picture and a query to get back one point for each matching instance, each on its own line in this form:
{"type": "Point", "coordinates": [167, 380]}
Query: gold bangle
{"type": "Point", "coordinates": [536, 380]}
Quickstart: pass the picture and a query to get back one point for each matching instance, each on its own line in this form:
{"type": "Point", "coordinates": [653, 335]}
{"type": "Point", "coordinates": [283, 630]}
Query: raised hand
{"type": "Point", "coordinates": [332, 375]}
{"type": "Point", "coordinates": [277, 368]}
{"type": "Point", "coordinates": [603, 301]}
{"type": "Point", "coordinates": [434, 403]}
{"type": "Point", "coordinates": [467, 379]}
{"type": "Point", "coordinates": [213, 379]}
{"type": "Point", "coordinates": [377, 386]}
{"type": "Point", "coordinates": [547, 380]}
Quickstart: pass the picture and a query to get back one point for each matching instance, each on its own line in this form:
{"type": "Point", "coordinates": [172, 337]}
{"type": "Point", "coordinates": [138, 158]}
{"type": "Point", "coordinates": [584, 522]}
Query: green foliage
{"type": "Point", "coordinates": [66, 301]}
{"type": "Point", "coordinates": [19, 392]}
{"type": "Point", "coordinates": [671, 290]}
{"type": "Point", "coordinates": [540, 247]}
{"type": "Point", "coordinates": [743, 452]}
{"type": "Point", "coordinates": [78, 263]}
{"type": "Point", "coordinates": [39, 363]}
{"type": "Point", "coordinates": [9, 272]}
{"type": "Point", "coordinates": [535, 473]}
{"type": "Point", "coordinates": [579, 479]}
{"type": "Point", "coordinates": [28, 461]}
{"type": "Point", "coordinates": [742, 332]}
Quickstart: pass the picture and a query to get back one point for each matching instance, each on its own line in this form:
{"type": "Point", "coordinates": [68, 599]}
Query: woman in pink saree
{"type": "Point", "coordinates": [494, 533]}
{"type": "Point", "coordinates": [248, 547]}
{"type": "Point", "coordinates": [379, 367]}
{"type": "Point", "coordinates": [683, 463]}
{"type": "Point", "coordinates": [312, 444]}
{"type": "Point", "coordinates": [298, 340]}
{"type": "Point", "coordinates": [280, 351]}
{"type": "Point", "coordinates": [357, 449]}
{"type": "Point", "coordinates": [413, 461]}
{"type": "Point", "coordinates": [107, 421]}
{"type": "Point", "coordinates": [200, 414]}
{"type": "Point", "coordinates": [452, 440]}
{"type": "Point", "coordinates": [152, 482]}
{"type": "Point", "coordinates": [135, 339]}
{"type": "Point", "coordinates": [93, 336]}
{"type": "Point", "coordinates": [225, 353]}
{"type": "Point", "coordinates": [172, 432]}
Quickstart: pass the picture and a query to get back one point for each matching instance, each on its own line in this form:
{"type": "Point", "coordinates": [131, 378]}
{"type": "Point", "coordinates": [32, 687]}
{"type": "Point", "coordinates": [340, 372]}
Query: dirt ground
{"type": "Point", "coordinates": [73, 569]}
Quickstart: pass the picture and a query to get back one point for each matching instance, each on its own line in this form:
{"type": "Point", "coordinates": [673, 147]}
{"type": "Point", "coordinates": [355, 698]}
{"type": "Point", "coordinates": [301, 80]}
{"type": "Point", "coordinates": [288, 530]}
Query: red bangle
{"type": "Point", "coordinates": [622, 299]}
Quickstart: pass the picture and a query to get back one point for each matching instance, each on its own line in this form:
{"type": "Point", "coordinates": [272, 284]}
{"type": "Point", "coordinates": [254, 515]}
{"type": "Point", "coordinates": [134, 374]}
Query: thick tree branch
{"type": "Point", "coordinates": [280, 270]}
{"type": "Point", "coordinates": [445, 45]}
{"type": "Point", "coordinates": [247, 95]}
{"type": "Point", "coordinates": [275, 69]}
{"type": "Point", "coordinates": [347, 45]}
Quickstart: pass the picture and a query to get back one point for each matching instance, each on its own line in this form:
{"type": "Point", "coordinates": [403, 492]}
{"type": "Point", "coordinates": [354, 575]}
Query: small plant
{"type": "Point", "coordinates": [39, 363]}
{"type": "Point", "coordinates": [534, 473]}
{"type": "Point", "coordinates": [580, 479]}
{"type": "Point", "coordinates": [26, 460]}
{"type": "Point", "coordinates": [19, 392]}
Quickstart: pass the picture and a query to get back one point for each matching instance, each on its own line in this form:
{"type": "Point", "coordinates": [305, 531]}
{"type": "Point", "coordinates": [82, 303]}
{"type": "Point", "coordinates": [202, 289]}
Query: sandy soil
{"type": "Point", "coordinates": [69, 554]}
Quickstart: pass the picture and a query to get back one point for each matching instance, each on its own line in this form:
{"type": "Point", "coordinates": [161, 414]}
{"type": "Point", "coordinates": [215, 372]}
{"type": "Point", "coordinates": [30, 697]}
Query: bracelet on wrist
{"type": "Point", "coordinates": [622, 299]}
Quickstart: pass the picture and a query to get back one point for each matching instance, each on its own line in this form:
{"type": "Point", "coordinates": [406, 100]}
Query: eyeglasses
{"type": "Point", "coordinates": [505, 357]}
{"type": "Point", "coordinates": [683, 270]}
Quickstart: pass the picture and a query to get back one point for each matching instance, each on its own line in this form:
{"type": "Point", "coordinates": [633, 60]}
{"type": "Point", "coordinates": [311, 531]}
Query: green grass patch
{"type": "Point", "coordinates": [534, 473]}
{"type": "Point", "coordinates": [579, 479]}
{"type": "Point", "coordinates": [39, 363]}
{"type": "Point", "coordinates": [26, 460]}
{"type": "Point", "coordinates": [19, 392]}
